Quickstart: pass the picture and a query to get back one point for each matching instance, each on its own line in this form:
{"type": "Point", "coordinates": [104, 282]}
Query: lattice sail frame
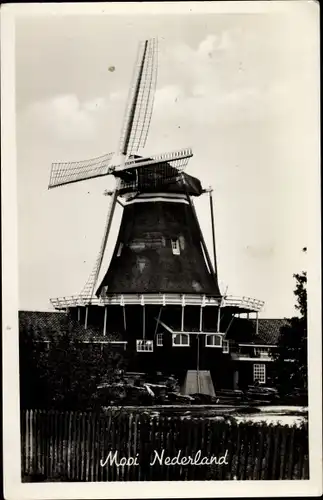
{"type": "Point", "coordinates": [140, 99]}
{"type": "Point", "coordinates": [89, 287]}
{"type": "Point", "coordinates": [68, 172]}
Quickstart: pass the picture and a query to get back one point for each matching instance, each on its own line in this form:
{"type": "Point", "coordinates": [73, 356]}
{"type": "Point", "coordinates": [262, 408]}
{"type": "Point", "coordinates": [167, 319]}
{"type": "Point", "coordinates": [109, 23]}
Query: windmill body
{"type": "Point", "coordinates": [159, 298]}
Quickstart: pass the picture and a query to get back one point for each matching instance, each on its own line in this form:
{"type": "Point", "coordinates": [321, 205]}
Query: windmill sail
{"type": "Point", "coordinates": [140, 99]}
{"type": "Point", "coordinates": [88, 289]}
{"type": "Point", "coordinates": [68, 172]}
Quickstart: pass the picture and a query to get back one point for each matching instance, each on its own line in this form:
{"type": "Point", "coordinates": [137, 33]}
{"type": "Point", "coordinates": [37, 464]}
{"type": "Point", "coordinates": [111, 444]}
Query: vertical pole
{"type": "Point", "coordinates": [78, 313]}
{"type": "Point", "coordinates": [213, 230]}
{"type": "Point", "coordinates": [105, 321]}
{"type": "Point", "coordinates": [198, 364]}
{"type": "Point", "coordinates": [143, 322]}
{"type": "Point", "coordinates": [182, 320]}
{"type": "Point", "coordinates": [219, 318]}
{"type": "Point", "coordinates": [124, 318]}
{"type": "Point", "coordinates": [207, 256]}
{"type": "Point", "coordinates": [236, 379]}
{"type": "Point", "coordinates": [86, 316]}
{"type": "Point", "coordinates": [201, 318]}
{"type": "Point", "coordinates": [257, 323]}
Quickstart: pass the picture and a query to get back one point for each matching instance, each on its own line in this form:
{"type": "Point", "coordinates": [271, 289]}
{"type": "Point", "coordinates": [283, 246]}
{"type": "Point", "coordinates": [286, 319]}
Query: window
{"type": "Point", "coordinates": [261, 352]}
{"type": "Point", "coordinates": [259, 373]}
{"type": "Point", "coordinates": [119, 249]}
{"type": "Point", "coordinates": [145, 346]}
{"type": "Point", "coordinates": [225, 347]}
{"type": "Point", "coordinates": [181, 339]}
{"type": "Point", "coordinates": [213, 340]}
{"type": "Point", "coordinates": [148, 240]}
{"type": "Point", "coordinates": [175, 247]}
{"type": "Point", "coordinates": [159, 339]}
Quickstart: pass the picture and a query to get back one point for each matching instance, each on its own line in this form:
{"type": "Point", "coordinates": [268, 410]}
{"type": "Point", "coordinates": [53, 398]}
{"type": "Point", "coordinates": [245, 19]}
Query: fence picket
{"type": "Point", "coordinates": [262, 465]}
{"type": "Point", "coordinates": [27, 443]}
{"type": "Point", "coordinates": [229, 445]}
{"type": "Point", "coordinates": [290, 465]}
{"type": "Point", "coordinates": [268, 454]}
{"type": "Point", "coordinates": [75, 452]}
{"type": "Point", "coordinates": [88, 446]}
{"type": "Point", "coordinates": [275, 452]}
{"type": "Point", "coordinates": [51, 442]}
{"type": "Point", "coordinates": [99, 450]}
{"type": "Point", "coordinates": [283, 452]}
{"type": "Point", "coordinates": [301, 458]}
{"type": "Point", "coordinates": [246, 441]}
{"type": "Point", "coordinates": [238, 453]}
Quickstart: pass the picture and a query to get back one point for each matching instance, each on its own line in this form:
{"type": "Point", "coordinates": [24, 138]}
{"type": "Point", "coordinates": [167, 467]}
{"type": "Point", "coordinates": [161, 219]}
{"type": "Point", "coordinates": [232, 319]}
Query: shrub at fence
{"type": "Point", "coordinates": [74, 446]}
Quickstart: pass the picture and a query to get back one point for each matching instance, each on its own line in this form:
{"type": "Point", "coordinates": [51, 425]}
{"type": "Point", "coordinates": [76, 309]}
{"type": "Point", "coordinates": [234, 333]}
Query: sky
{"type": "Point", "coordinates": [240, 89]}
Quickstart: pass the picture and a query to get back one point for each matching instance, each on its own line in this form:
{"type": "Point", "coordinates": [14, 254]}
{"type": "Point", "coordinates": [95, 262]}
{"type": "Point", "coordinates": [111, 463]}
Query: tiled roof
{"type": "Point", "coordinates": [244, 330]}
{"type": "Point", "coordinates": [45, 325]}
{"type": "Point", "coordinates": [48, 325]}
{"type": "Point", "coordinates": [269, 329]}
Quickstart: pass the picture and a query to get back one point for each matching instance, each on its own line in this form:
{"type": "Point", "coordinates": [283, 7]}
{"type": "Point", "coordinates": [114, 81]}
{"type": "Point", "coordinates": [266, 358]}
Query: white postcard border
{"type": "Point", "coordinates": [14, 489]}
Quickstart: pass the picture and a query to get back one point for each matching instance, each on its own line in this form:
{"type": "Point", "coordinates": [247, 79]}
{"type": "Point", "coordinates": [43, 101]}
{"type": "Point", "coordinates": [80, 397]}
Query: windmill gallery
{"type": "Point", "coordinates": [159, 297]}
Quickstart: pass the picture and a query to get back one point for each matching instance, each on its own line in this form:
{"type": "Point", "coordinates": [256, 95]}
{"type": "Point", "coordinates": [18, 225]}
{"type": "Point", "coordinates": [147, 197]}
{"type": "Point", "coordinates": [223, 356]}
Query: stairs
{"type": "Point", "coordinates": [198, 382]}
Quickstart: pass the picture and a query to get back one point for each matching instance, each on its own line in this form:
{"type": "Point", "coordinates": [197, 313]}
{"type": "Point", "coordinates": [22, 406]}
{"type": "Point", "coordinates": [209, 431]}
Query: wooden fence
{"type": "Point", "coordinates": [68, 446]}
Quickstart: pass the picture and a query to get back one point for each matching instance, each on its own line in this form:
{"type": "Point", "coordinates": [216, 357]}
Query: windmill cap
{"type": "Point", "coordinates": [159, 176]}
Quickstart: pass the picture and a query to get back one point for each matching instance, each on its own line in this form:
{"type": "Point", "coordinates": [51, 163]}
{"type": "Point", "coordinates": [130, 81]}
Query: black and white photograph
{"type": "Point", "coordinates": [161, 271]}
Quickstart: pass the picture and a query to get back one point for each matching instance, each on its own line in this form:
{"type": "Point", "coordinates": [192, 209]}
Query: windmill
{"type": "Point", "coordinates": [133, 137]}
{"type": "Point", "coordinates": [161, 276]}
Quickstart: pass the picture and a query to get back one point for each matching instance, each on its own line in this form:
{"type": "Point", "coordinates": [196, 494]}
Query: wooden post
{"type": "Point", "coordinates": [201, 319]}
{"type": "Point", "coordinates": [124, 318]}
{"type": "Point", "coordinates": [143, 322]}
{"type": "Point", "coordinates": [257, 323]}
{"type": "Point", "coordinates": [236, 379]}
{"type": "Point", "coordinates": [86, 316]}
{"type": "Point", "coordinates": [219, 318]}
{"type": "Point", "coordinates": [78, 314]}
{"type": "Point", "coordinates": [198, 364]}
{"type": "Point", "coordinates": [182, 320]}
{"type": "Point", "coordinates": [105, 321]}
{"type": "Point", "coordinates": [202, 240]}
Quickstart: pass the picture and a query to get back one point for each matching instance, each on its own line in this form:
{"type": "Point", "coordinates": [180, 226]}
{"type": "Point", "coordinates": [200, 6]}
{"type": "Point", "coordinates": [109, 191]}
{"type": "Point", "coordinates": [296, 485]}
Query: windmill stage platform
{"type": "Point", "coordinates": [238, 305]}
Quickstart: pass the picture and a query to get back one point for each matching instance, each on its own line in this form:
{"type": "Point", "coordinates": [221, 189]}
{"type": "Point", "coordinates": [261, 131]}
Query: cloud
{"type": "Point", "coordinates": [214, 43]}
{"type": "Point", "coordinates": [67, 118]}
{"type": "Point", "coordinates": [95, 104]}
{"type": "Point", "coordinates": [220, 83]}
{"type": "Point", "coordinates": [117, 96]}
{"type": "Point", "coordinates": [63, 116]}
{"type": "Point", "coordinates": [167, 95]}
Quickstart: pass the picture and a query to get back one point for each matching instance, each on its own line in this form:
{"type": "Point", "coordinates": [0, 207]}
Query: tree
{"type": "Point", "coordinates": [291, 355]}
{"type": "Point", "coordinates": [33, 387]}
{"type": "Point", "coordinates": [66, 371]}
